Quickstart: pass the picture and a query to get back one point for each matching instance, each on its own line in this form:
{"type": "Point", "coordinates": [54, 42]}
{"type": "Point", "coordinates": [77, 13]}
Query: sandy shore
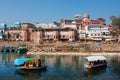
{"type": "Point", "coordinates": [71, 53]}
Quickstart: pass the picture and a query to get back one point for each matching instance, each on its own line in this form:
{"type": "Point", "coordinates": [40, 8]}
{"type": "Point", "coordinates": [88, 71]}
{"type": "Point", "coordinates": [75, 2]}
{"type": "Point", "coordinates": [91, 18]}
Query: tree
{"type": "Point", "coordinates": [115, 21]}
{"type": "Point", "coordinates": [116, 24]}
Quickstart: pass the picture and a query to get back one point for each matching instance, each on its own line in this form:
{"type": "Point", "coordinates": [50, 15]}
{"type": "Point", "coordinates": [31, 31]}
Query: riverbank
{"type": "Point", "coordinates": [66, 48]}
{"type": "Point", "coordinates": [71, 53]}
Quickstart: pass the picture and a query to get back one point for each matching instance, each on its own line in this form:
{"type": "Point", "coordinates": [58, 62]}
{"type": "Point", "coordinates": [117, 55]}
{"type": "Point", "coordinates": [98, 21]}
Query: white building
{"type": "Point", "coordinates": [97, 32]}
{"type": "Point", "coordinates": [46, 26]}
{"type": "Point", "coordinates": [3, 28]}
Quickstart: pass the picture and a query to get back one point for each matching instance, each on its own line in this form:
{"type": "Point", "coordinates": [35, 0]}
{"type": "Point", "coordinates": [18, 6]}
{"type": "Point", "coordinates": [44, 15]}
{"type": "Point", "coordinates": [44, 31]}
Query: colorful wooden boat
{"type": "Point", "coordinates": [95, 61]}
{"type": "Point", "coordinates": [28, 64]}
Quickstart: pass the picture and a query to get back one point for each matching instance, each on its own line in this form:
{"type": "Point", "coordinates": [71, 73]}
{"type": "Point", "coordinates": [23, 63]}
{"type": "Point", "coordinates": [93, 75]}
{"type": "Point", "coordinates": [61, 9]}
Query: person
{"type": "Point", "coordinates": [30, 65]}
{"type": "Point", "coordinates": [89, 63]}
{"type": "Point", "coordinates": [39, 62]}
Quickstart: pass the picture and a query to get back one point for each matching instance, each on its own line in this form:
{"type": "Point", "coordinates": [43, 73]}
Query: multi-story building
{"type": "Point", "coordinates": [20, 33]}
{"type": "Point", "coordinates": [94, 29]}
{"type": "Point", "coordinates": [67, 34]}
{"type": "Point", "coordinates": [73, 23]}
{"type": "Point", "coordinates": [36, 35]}
{"type": "Point", "coordinates": [64, 34]}
{"type": "Point", "coordinates": [67, 30]}
{"type": "Point", "coordinates": [51, 34]}
{"type": "Point", "coordinates": [97, 32]}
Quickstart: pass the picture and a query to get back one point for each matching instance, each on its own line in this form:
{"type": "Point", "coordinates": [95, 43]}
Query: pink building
{"type": "Point", "coordinates": [51, 34]}
{"type": "Point", "coordinates": [87, 22]}
{"type": "Point", "coordinates": [67, 34]}
{"type": "Point", "coordinates": [20, 33]}
{"type": "Point", "coordinates": [36, 36]}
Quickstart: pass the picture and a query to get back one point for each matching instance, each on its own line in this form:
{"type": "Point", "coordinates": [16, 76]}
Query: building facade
{"type": "Point", "coordinates": [64, 34]}
{"type": "Point", "coordinates": [21, 33]}
{"type": "Point", "coordinates": [94, 29]}
{"type": "Point", "coordinates": [67, 30]}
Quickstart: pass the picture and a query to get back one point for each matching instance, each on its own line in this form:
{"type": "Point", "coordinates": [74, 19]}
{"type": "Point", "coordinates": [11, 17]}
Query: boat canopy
{"type": "Point", "coordinates": [95, 58]}
{"type": "Point", "coordinates": [23, 60]}
{"type": "Point", "coordinates": [21, 48]}
{"type": "Point", "coordinates": [8, 47]}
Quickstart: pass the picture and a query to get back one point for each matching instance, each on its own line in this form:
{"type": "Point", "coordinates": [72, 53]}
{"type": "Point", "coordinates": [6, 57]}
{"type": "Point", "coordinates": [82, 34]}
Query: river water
{"type": "Point", "coordinates": [59, 68]}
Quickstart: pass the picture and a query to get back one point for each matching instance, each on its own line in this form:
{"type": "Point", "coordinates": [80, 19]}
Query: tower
{"type": "Point", "coordinates": [86, 17]}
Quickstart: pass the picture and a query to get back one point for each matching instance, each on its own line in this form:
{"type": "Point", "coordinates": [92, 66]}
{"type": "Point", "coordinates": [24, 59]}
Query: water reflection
{"type": "Point", "coordinates": [119, 58]}
{"type": "Point", "coordinates": [96, 71]}
{"type": "Point", "coordinates": [29, 74]}
{"type": "Point", "coordinates": [59, 68]}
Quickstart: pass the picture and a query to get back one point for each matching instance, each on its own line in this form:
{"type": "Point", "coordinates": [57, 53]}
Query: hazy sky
{"type": "Point", "coordinates": [47, 11]}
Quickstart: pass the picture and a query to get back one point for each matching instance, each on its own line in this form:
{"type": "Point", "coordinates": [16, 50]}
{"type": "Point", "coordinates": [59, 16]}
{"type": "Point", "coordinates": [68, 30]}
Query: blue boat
{"type": "Point", "coordinates": [28, 64]}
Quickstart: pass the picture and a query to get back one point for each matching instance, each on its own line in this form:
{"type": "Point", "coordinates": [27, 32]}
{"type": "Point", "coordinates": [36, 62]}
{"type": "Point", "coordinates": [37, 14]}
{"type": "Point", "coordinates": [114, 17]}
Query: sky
{"type": "Point", "coordinates": [47, 11]}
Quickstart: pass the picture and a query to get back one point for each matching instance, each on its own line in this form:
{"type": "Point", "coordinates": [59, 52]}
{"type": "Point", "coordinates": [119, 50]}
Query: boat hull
{"type": "Point", "coordinates": [94, 66]}
{"type": "Point", "coordinates": [31, 68]}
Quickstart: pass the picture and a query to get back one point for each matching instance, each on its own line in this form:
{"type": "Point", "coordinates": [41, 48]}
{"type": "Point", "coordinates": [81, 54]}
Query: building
{"type": "Point", "coordinates": [78, 28]}
{"type": "Point", "coordinates": [73, 23]}
{"type": "Point", "coordinates": [98, 32]}
{"type": "Point", "coordinates": [21, 33]}
{"type": "Point", "coordinates": [36, 35]}
{"type": "Point", "coordinates": [3, 28]}
{"type": "Point", "coordinates": [46, 26]}
{"type": "Point", "coordinates": [94, 29]}
{"type": "Point", "coordinates": [67, 34]}
{"type": "Point", "coordinates": [51, 34]}
{"type": "Point", "coordinates": [64, 34]}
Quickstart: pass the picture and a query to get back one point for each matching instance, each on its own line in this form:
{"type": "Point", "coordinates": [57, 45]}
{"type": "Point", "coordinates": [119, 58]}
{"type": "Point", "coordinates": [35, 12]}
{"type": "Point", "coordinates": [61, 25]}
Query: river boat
{"type": "Point", "coordinates": [21, 49]}
{"type": "Point", "coordinates": [95, 61]}
{"type": "Point", "coordinates": [8, 49]}
{"type": "Point", "coordinates": [29, 64]}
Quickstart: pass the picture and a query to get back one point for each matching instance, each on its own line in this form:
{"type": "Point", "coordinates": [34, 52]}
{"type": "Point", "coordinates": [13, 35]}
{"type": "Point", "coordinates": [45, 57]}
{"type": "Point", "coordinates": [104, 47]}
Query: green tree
{"type": "Point", "coordinates": [115, 21]}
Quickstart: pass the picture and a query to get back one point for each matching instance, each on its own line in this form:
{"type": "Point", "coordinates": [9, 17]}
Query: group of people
{"type": "Point", "coordinates": [97, 62]}
{"type": "Point", "coordinates": [36, 63]}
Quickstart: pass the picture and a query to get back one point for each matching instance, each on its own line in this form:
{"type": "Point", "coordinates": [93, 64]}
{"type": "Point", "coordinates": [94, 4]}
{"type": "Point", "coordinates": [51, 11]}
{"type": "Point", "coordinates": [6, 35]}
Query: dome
{"type": "Point", "coordinates": [86, 15]}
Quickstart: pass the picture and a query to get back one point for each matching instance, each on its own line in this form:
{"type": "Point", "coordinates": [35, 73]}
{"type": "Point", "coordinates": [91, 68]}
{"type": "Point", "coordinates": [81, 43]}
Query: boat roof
{"type": "Point", "coordinates": [21, 47]}
{"type": "Point", "coordinates": [8, 46]}
{"type": "Point", "coordinates": [23, 60]}
{"type": "Point", "coordinates": [95, 58]}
